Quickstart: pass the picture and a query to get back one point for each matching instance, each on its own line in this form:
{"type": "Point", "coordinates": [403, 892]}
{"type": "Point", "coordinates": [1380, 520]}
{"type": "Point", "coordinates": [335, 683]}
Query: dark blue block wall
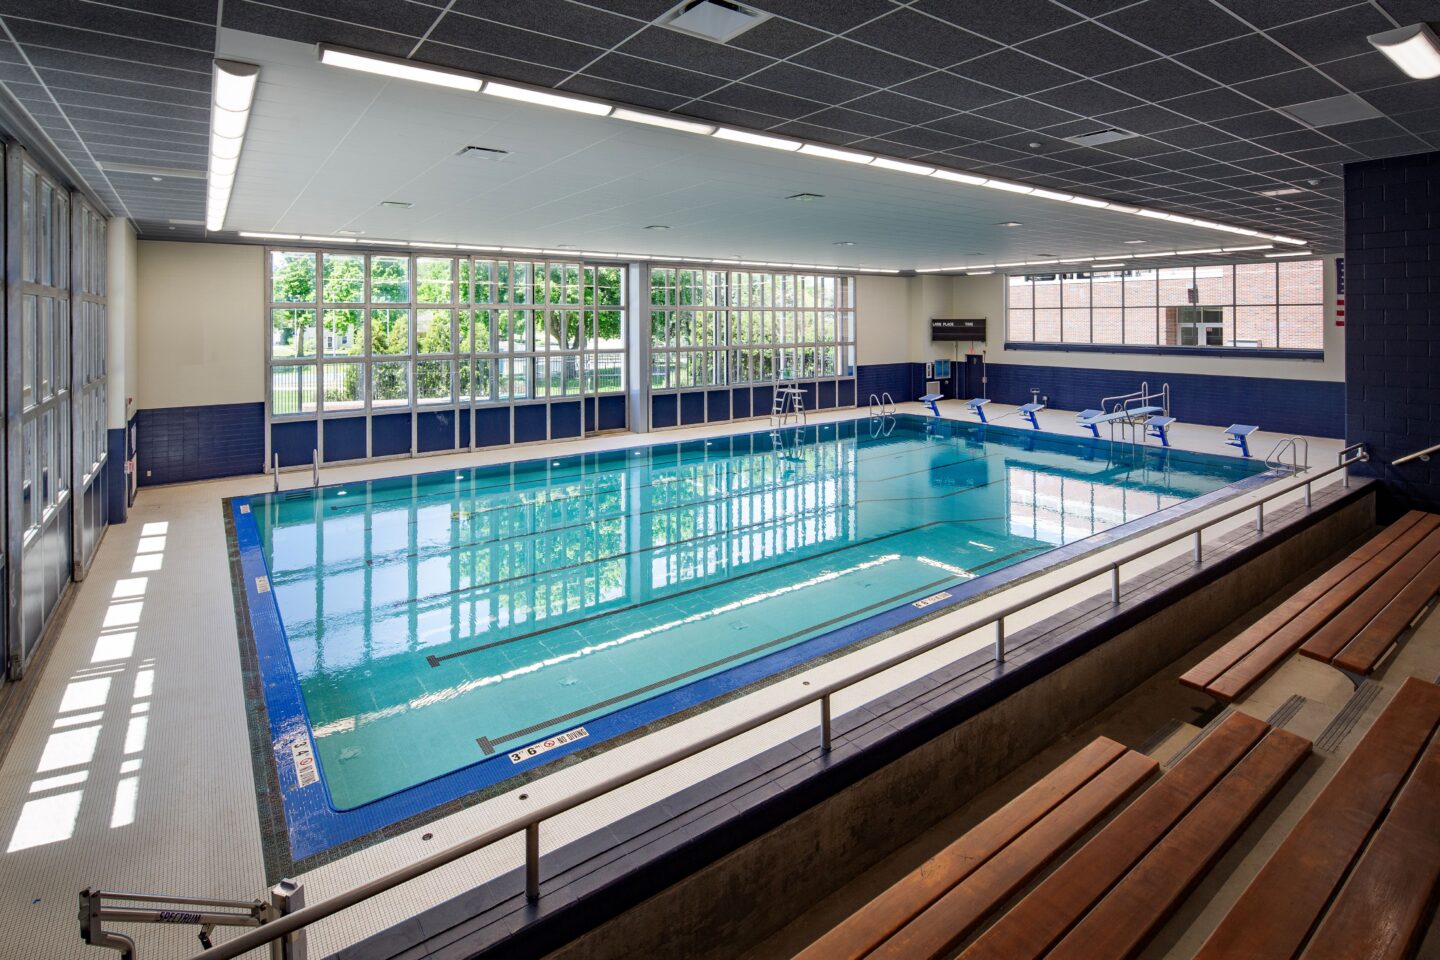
{"type": "Point", "coordinates": [1392, 336]}
{"type": "Point", "coordinates": [176, 444]}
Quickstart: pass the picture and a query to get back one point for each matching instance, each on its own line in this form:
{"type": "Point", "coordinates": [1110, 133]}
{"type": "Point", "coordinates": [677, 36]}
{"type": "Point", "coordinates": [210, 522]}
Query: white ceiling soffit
{"type": "Point", "coordinates": [326, 147]}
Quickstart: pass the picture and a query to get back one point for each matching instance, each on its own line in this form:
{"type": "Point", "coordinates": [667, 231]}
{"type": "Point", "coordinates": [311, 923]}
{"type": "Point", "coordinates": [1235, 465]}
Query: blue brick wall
{"type": "Point", "coordinates": [898, 379]}
{"type": "Point", "coordinates": [117, 447]}
{"type": "Point", "coordinates": [1315, 408]}
{"type": "Point", "coordinates": [1392, 335]}
{"type": "Point", "coordinates": [176, 444]}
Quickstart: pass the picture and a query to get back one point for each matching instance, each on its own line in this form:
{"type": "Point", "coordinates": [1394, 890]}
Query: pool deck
{"type": "Point", "coordinates": [131, 767]}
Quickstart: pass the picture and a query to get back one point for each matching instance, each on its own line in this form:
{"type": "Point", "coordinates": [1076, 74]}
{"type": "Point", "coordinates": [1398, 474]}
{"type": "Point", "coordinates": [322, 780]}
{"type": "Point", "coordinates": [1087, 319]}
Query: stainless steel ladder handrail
{"type": "Point", "coordinates": [1276, 458]}
{"type": "Point", "coordinates": [1422, 455]}
{"type": "Point", "coordinates": [874, 402]}
{"type": "Point", "coordinates": [887, 404]}
{"type": "Point", "coordinates": [819, 694]}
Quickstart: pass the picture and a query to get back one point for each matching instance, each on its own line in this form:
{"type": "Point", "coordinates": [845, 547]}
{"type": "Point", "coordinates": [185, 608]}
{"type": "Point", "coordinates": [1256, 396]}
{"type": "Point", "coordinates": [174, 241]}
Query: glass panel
{"type": "Point", "coordinates": [432, 331]}
{"type": "Point", "coordinates": [292, 277]}
{"type": "Point", "coordinates": [344, 278]}
{"type": "Point", "coordinates": [292, 332]}
{"type": "Point", "coordinates": [1255, 284]}
{"type": "Point", "coordinates": [1302, 326]}
{"type": "Point", "coordinates": [434, 280]}
{"type": "Point", "coordinates": [344, 333]}
{"type": "Point", "coordinates": [432, 381]}
{"type": "Point", "coordinates": [389, 331]}
{"type": "Point", "coordinates": [390, 383]}
{"type": "Point", "coordinates": [292, 389]}
{"type": "Point", "coordinates": [1301, 281]}
{"type": "Point", "coordinates": [389, 279]}
{"type": "Point", "coordinates": [344, 386]}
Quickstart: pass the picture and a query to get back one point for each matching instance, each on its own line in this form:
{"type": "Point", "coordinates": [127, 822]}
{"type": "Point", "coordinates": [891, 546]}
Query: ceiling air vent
{"type": "Point", "coordinates": [1100, 137]}
{"type": "Point", "coordinates": [1346, 108]}
{"type": "Point", "coordinates": [714, 20]}
{"type": "Point", "coordinates": [483, 153]}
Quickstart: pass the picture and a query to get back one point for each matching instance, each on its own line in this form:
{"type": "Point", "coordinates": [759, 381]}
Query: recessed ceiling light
{"type": "Point", "coordinates": [1281, 192]}
{"type": "Point", "coordinates": [1415, 49]}
{"type": "Point", "coordinates": [658, 226]}
{"type": "Point", "coordinates": [397, 204]}
{"type": "Point", "coordinates": [844, 243]}
{"type": "Point", "coordinates": [1034, 145]}
{"type": "Point", "coordinates": [806, 197]}
{"type": "Point", "coordinates": [1010, 223]}
{"type": "Point", "coordinates": [1137, 241]}
{"type": "Point", "coordinates": [1290, 253]}
{"type": "Point", "coordinates": [1106, 266]}
{"type": "Point", "coordinates": [157, 179]}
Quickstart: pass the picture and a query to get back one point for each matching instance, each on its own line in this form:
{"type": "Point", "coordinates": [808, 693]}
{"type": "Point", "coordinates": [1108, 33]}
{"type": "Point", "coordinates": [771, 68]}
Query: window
{"type": "Point", "coordinates": [718, 328]}
{"type": "Point", "coordinates": [1252, 305]}
{"type": "Point", "coordinates": [352, 332]}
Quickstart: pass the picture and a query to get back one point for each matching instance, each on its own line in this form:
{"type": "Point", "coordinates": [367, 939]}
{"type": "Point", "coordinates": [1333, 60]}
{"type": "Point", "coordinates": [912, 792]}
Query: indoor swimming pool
{"type": "Point", "coordinates": [426, 636]}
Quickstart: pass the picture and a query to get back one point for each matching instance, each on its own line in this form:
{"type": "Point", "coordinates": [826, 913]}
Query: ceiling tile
{"type": "Point", "coordinates": [1264, 14]}
{"type": "Point", "coordinates": [853, 61]}
{"type": "Point", "coordinates": [1212, 105]}
{"type": "Point", "coordinates": [66, 40]}
{"type": "Point", "coordinates": [1157, 80]}
{"type": "Point", "coordinates": [761, 100]}
{"type": "Point", "coordinates": [1088, 49]}
{"type": "Point", "coordinates": [897, 107]}
{"type": "Point", "coordinates": [1197, 135]}
{"type": "Point", "coordinates": [973, 127]}
{"type": "Point", "coordinates": [1297, 86]}
{"type": "Point", "coordinates": [296, 25]}
{"type": "Point", "coordinates": [1172, 26]}
{"type": "Point", "coordinates": [1333, 35]}
{"type": "Point", "coordinates": [1245, 58]}
{"type": "Point", "coordinates": [859, 123]}
{"type": "Point", "coordinates": [805, 82]}
{"type": "Point", "coordinates": [1362, 73]}
{"type": "Point", "coordinates": [951, 91]}
{"type": "Point", "coordinates": [812, 131]}
{"type": "Point", "coordinates": [779, 38]}
{"type": "Point", "coordinates": [1146, 119]}
{"type": "Point", "coordinates": [824, 14]}
{"type": "Point", "coordinates": [478, 61]}
{"type": "Point", "coordinates": [1008, 21]}
{"type": "Point", "coordinates": [1087, 98]}
{"type": "Point", "coordinates": [557, 18]}
{"type": "Point", "coordinates": [1024, 113]}
{"type": "Point", "coordinates": [1014, 72]}
{"type": "Point", "coordinates": [1404, 98]}
{"type": "Point", "coordinates": [656, 76]}
{"type": "Point", "coordinates": [667, 46]}
{"type": "Point", "coordinates": [526, 45]}
{"type": "Point", "coordinates": [918, 37]}
{"type": "Point", "coordinates": [623, 92]}
{"type": "Point", "coordinates": [1263, 123]}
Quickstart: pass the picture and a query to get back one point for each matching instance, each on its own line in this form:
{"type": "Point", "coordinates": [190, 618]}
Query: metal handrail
{"type": "Point", "coordinates": [874, 402]}
{"type": "Point", "coordinates": [1275, 459]}
{"type": "Point", "coordinates": [528, 821]}
{"type": "Point", "coordinates": [887, 404]}
{"type": "Point", "coordinates": [276, 472]}
{"type": "Point", "coordinates": [1421, 455]}
{"type": "Point", "coordinates": [315, 467]}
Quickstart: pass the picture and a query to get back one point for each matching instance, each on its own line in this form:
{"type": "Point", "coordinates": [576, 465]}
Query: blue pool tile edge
{"type": "Point", "coordinates": [314, 826]}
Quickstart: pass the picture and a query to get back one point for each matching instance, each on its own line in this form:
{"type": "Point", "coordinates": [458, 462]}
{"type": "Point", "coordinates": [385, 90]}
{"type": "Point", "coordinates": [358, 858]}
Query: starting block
{"type": "Point", "coordinates": [978, 405]}
{"type": "Point", "coordinates": [1238, 434]}
{"type": "Point", "coordinates": [1029, 410]}
{"type": "Point", "coordinates": [931, 399]}
{"type": "Point", "coordinates": [1086, 418]}
{"type": "Point", "coordinates": [1158, 427]}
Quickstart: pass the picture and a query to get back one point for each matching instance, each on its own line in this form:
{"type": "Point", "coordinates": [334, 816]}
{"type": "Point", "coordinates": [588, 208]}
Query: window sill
{"type": "Point", "coordinates": [1266, 353]}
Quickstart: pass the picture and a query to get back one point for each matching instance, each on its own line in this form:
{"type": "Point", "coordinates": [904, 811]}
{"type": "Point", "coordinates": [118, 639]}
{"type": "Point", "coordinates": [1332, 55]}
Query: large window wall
{"type": "Point", "coordinates": [721, 340]}
{"type": "Point", "coordinates": [380, 354]}
{"type": "Point", "coordinates": [1253, 305]}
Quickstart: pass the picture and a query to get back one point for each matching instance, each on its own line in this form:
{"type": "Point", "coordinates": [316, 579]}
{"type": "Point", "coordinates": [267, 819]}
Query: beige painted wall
{"type": "Point", "coordinates": [122, 291]}
{"type": "Point", "coordinates": [200, 324]}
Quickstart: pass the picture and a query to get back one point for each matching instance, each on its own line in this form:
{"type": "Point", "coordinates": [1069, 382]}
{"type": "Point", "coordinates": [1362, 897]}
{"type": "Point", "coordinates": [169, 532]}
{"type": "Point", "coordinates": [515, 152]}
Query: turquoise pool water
{"type": "Point", "coordinates": [454, 618]}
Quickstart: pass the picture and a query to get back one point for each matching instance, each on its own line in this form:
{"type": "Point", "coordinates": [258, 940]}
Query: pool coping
{"type": "Point", "coordinates": [601, 875]}
{"type": "Point", "coordinates": [301, 830]}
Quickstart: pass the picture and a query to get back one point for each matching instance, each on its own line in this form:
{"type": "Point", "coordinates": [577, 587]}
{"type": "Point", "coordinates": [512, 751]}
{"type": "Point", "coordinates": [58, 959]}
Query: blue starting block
{"type": "Point", "coordinates": [1159, 427]}
{"type": "Point", "coordinates": [1238, 434]}
{"type": "Point", "coordinates": [1029, 410]}
{"type": "Point", "coordinates": [932, 399]}
{"type": "Point", "coordinates": [978, 405]}
{"type": "Point", "coordinates": [1086, 418]}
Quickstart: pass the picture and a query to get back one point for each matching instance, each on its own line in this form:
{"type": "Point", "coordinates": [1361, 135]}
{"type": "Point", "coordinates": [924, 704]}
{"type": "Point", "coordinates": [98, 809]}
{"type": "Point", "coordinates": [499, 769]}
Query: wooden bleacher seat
{"type": "Point", "coordinates": [1362, 900]}
{"type": "Point", "coordinates": [1393, 564]}
{"type": "Point", "coordinates": [1137, 867]}
{"type": "Point", "coordinates": [1113, 895]}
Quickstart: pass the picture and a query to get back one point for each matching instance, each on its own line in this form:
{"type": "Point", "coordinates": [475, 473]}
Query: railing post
{"type": "Point", "coordinates": [1307, 494]}
{"type": "Point", "coordinates": [1199, 547]}
{"type": "Point", "coordinates": [315, 467]}
{"type": "Point", "coordinates": [287, 896]}
{"type": "Point", "coordinates": [1114, 583]}
{"type": "Point", "coordinates": [276, 473]}
{"type": "Point", "coordinates": [1260, 517]}
{"type": "Point", "coordinates": [532, 861]}
{"type": "Point", "coordinates": [825, 723]}
{"type": "Point", "coordinates": [1000, 640]}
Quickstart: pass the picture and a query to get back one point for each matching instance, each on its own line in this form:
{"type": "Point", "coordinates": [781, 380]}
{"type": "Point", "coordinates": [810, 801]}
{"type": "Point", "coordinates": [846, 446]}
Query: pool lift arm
{"type": "Point", "coordinates": [97, 907]}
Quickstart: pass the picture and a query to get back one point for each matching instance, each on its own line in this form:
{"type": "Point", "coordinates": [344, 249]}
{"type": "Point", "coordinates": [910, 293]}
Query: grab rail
{"type": "Point", "coordinates": [1422, 455]}
{"type": "Point", "coordinates": [887, 405]}
{"type": "Point", "coordinates": [874, 402]}
{"type": "Point", "coordinates": [315, 467]}
{"type": "Point", "coordinates": [1275, 459]}
{"type": "Point", "coordinates": [276, 473]}
{"type": "Point", "coordinates": [528, 822]}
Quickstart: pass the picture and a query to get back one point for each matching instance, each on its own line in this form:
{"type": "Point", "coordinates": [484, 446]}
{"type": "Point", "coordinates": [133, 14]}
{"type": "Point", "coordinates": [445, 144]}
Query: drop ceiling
{"type": "Point", "coordinates": [970, 84]}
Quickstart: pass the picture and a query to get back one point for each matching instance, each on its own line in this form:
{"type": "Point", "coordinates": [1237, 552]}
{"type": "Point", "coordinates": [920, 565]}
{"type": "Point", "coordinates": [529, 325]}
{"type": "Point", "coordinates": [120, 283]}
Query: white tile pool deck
{"type": "Point", "coordinates": [131, 769]}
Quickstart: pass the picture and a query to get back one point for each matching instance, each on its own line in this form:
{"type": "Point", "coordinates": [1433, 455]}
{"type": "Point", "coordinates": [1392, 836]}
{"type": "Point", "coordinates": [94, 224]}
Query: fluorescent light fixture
{"type": "Point", "coordinates": [1105, 266]}
{"type": "Point", "coordinates": [830, 153]}
{"type": "Point", "coordinates": [1192, 253]}
{"type": "Point", "coordinates": [885, 163]}
{"type": "Point", "coordinates": [1158, 253]}
{"type": "Point", "coordinates": [524, 94]}
{"type": "Point", "coordinates": [1414, 49]}
{"type": "Point", "coordinates": [978, 273]}
{"type": "Point", "coordinates": [1290, 240]}
{"type": "Point", "coordinates": [328, 239]}
{"type": "Point", "coordinates": [1053, 195]}
{"type": "Point", "coordinates": [1152, 214]}
{"type": "Point", "coordinates": [979, 266]}
{"type": "Point", "coordinates": [397, 69]}
{"type": "Point", "coordinates": [520, 249]}
{"type": "Point", "coordinates": [434, 246]}
{"type": "Point", "coordinates": [1077, 260]}
{"type": "Point", "coordinates": [660, 120]}
{"type": "Point", "coordinates": [1290, 253]}
{"type": "Point", "coordinates": [1258, 246]}
{"type": "Point", "coordinates": [1007, 186]}
{"type": "Point", "coordinates": [755, 139]}
{"type": "Point", "coordinates": [232, 95]}
{"type": "Point", "coordinates": [1088, 201]}
{"type": "Point", "coordinates": [1120, 207]}
{"type": "Point", "coordinates": [1039, 263]}
{"type": "Point", "coordinates": [934, 269]}
{"type": "Point", "coordinates": [1281, 192]}
{"type": "Point", "coordinates": [1017, 263]}
{"type": "Point", "coordinates": [254, 235]}
{"type": "Point", "coordinates": [958, 177]}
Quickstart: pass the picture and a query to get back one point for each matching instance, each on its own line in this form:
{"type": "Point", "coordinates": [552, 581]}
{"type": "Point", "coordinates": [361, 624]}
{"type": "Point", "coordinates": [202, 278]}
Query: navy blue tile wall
{"type": "Point", "coordinates": [612, 413]}
{"type": "Point", "coordinates": [176, 444]}
{"type": "Point", "coordinates": [434, 430]}
{"type": "Point", "coordinates": [565, 420]}
{"type": "Point", "coordinates": [1312, 407]}
{"type": "Point", "coordinates": [897, 379]}
{"type": "Point", "coordinates": [344, 439]}
{"type": "Point", "coordinates": [492, 426]}
{"type": "Point", "coordinates": [117, 449]}
{"type": "Point", "coordinates": [389, 434]}
{"type": "Point", "coordinates": [1392, 336]}
{"type": "Point", "coordinates": [717, 405]}
{"type": "Point", "coordinates": [531, 423]}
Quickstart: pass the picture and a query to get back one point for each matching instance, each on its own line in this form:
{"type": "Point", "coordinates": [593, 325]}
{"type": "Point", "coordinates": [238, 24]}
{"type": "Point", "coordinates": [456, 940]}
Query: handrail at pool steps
{"type": "Point", "coordinates": [806, 694]}
{"type": "Point", "coordinates": [1422, 455]}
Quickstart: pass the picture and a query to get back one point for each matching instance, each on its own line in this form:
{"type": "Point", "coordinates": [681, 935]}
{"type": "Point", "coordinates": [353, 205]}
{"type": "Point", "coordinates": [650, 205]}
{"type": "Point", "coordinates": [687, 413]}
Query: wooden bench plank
{"type": "Point", "coordinates": [859, 933]}
{"type": "Point", "coordinates": [1208, 670]}
{"type": "Point", "coordinates": [1274, 915]}
{"type": "Point", "coordinates": [1283, 642]}
{"type": "Point", "coordinates": [1327, 642]}
{"type": "Point", "coordinates": [1380, 912]}
{"type": "Point", "coordinates": [1364, 652]}
{"type": "Point", "coordinates": [955, 916]}
{"type": "Point", "coordinates": [1037, 922]}
{"type": "Point", "coordinates": [1122, 923]}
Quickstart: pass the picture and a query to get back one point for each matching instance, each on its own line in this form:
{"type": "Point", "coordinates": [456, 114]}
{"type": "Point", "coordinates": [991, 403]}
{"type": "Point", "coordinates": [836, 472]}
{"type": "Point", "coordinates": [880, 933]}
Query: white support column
{"type": "Point", "coordinates": [122, 277]}
{"type": "Point", "coordinates": [637, 335]}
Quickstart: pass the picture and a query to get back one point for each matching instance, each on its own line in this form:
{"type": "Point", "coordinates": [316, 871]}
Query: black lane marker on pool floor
{"type": "Point", "coordinates": [487, 744]}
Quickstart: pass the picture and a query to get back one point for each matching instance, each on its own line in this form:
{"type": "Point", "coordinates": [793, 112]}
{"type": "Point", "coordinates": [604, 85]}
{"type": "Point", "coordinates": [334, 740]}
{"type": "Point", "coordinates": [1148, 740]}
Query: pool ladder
{"type": "Point", "coordinates": [314, 469]}
{"type": "Point", "coordinates": [882, 405]}
{"type": "Point", "coordinates": [1299, 450]}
